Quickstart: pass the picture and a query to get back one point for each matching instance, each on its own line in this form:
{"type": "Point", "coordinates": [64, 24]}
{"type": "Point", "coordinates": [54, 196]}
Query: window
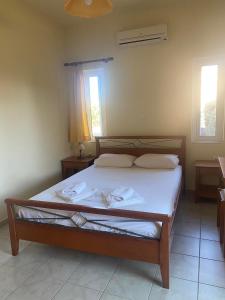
{"type": "Point", "coordinates": [93, 82]}
{"type": "Point", "coordinates": [208, 111]}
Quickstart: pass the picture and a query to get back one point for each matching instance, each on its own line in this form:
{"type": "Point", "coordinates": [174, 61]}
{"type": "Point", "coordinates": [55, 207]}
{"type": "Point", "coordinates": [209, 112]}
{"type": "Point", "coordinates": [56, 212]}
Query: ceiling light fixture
{"type": "Point", "coordinates": [88, 8]}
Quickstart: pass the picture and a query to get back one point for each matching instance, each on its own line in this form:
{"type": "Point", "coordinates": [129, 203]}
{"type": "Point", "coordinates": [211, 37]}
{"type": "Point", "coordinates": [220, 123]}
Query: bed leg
{"type": "Point", "coordinates": [12, 230]}
{"type": "Point", "coordinates": [165, 254]}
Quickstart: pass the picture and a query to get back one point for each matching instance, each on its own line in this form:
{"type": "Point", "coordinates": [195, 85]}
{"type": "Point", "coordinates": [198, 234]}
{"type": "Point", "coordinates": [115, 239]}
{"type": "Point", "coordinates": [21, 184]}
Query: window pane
{"type": "Point", "coordinates": [95, 106]}
{"type": "Point", "coordinates": [209, 83]}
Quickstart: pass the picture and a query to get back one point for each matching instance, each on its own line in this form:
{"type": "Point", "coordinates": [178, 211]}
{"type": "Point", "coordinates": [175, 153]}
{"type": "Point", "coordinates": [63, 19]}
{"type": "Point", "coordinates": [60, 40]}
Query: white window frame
{"type": "Point", "coordinates": [196, 101]}
{"type": "Point", "coordinates": [99, 72]}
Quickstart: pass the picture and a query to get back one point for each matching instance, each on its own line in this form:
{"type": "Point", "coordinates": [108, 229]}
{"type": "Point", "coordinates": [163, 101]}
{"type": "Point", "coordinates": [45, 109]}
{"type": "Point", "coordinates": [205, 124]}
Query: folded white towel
{"type": "Point", "coordinates": [112, 202]}
{"type": "Point", "coordinates": [74, 190]}
{"type": "Point", "coordinates": [122, 193]}
{"type": "Point", "coordinates": [76, 198]}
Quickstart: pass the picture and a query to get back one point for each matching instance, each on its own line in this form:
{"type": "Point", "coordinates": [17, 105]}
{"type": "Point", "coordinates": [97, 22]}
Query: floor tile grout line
{"type": "Point", "coordinates": [116, 268]}
{"type": "Point", "coordinates": [58, 291]}
{"type": "Point", "coordinates": [213, 259]}
{"type": "Point", "coordinates": [194, 281]}
{"type": "Point", "coordinates": [52, 298]}
{"type": "Point", "coordinates": [153, 283]}
{"type": "Point", "coordinates": [173, 252]}
{"type": "Point", "coordinates": [77, 285]}
{"type": "Point", "coordinates": [82, 286]}
{"type": "Point", "coordinates": [188, 236]}
{"type": "Point", "coordinates": [197, 256]}
{"type": "Point", "coordinates": [192, 237]}
{"type": "Point", "coordinates": [197, 238]}
{"type": "Point", "coordinates": [68, 279]}
{"type": "Point", "coordinates": [210, 240]}
{"type": "Point", "coordinates": [216, 286]}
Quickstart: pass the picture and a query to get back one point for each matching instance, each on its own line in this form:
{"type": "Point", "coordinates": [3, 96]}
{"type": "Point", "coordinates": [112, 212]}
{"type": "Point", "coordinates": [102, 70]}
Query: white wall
{"type": "Point", "coordinates": [33, 109]}
{"type": "Point", "coordinates": [150, 88]}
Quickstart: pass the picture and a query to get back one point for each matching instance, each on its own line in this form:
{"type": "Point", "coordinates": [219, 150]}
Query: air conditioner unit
{"type": "Point", "coordinates": [142, 36]}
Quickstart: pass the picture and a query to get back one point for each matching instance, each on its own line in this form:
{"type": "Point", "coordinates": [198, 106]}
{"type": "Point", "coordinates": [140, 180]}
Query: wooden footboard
{"type": "Point", "coordinates": [123, 246]}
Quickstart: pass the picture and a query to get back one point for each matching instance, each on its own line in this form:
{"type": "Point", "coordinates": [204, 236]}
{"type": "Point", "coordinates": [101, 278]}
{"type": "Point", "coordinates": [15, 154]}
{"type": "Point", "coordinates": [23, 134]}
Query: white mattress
{"type": "Point", "coordinates": [158, 188]}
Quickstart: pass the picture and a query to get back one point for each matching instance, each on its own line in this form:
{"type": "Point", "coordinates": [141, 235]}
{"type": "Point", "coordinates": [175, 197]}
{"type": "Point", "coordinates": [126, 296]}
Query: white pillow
{"type": "Point", "coordinates": [157, 161]}
{"type": "Point", "coordinates": [115, 160]}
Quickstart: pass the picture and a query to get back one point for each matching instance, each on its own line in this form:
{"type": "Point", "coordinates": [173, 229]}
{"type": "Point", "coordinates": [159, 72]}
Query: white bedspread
{"type": "Point", "coordinates": [158, 188]}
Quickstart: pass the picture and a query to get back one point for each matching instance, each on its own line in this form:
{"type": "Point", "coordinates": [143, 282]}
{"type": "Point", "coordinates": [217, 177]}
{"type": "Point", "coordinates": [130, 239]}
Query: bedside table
{"type": "Point", "coordinates": [204, 168]}
{"type": "Point", "coordinates": [73, 164]}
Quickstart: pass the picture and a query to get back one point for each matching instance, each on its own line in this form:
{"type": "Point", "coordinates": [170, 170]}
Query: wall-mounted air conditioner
{"type": "Point", "coordinates": [142, 36]}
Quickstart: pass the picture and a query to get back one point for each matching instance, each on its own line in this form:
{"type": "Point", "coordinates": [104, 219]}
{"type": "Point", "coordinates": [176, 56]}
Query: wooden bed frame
{"type": "Point", "coordinates": [155, 251]}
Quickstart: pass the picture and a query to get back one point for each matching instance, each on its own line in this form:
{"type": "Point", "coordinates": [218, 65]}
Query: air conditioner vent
{"type": "Point", "coordinates": [142, 36]}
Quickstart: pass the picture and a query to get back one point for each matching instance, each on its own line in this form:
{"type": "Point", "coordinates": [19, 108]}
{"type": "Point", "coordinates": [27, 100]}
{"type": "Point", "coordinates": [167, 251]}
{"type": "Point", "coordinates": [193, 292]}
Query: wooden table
{"type": "Point", "coordinates": [204, 168]}
{"type": "Point", "coordinates": [73, 164]}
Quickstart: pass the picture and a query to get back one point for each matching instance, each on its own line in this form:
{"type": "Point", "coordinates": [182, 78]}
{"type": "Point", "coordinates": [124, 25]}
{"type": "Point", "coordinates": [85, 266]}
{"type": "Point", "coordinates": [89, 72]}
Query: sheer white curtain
{"type": "Point", "coordinates": [79, 126]}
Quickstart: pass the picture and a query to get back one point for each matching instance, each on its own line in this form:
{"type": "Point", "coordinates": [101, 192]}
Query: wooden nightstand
{"type": "Point", "coordinates": [206, 168]}
{"type": "Point", "coordinates": [73, 164]}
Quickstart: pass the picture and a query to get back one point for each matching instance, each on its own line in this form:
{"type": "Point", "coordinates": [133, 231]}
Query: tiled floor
{"type": "Point", "coordinates": [44, 273]}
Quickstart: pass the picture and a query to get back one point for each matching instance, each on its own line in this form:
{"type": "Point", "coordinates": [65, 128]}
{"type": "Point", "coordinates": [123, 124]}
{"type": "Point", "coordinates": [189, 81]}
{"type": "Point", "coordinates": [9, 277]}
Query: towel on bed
{"type": "Point", "coordinates": [121, 196]}
{"type": "Point", "coordinates": [74, 190]}
{"type": "Point", "coordinates": [122, 193]}
{"type": "Point", "coordinates": [69, 196]}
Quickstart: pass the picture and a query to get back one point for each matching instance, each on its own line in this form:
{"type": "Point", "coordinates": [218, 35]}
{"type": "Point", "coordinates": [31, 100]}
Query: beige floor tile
{"type": "Point", "coordinates": [4, 257]}
{"type": "Point", "coordinates": [44, 289]}
{"type": "Point", "coordinates": [179, 290]}
{"type": "Point", "coordinates": [207, 219]}
{"type": "Point", "coordinates": [73, 292]}
{"type": "Point", "coordinates": [208, 213]}
{"type": "Point", "coordinates": [63, 262]}
{"type": "Point", "coordinates": [185, 245]}
{"type": "Point", "coordinates": [210, 231]}
{"type": "Point", "coordinates": [33, 254]}
{"type": "Point", "coordinates": [211, 250]}
{"type": "Point", "coordinates": [58, 268]}
{"type": "Point", "coordinates": [132, 280]}
{"type": "Point", "coordinates": [207, 292]}
{"type": "Point", "coordinates": [191, 229]}
{"type": "Point", "coordinates": [212, 272]}
{"type": "Point", "coordinates": [189, 204]}
{"type": "Point", "coordinates": [184, 266]}
{"type": "Point", "coordinates": [188, 214]}
{"type": "Point", "coordinates": [11, 276]}
{"type": "Point", "coordinates": [5, 245]}
{"type": "Point", "coordinates": [95, 272]}
{"type": "Point", "coordinates": [209, 208]}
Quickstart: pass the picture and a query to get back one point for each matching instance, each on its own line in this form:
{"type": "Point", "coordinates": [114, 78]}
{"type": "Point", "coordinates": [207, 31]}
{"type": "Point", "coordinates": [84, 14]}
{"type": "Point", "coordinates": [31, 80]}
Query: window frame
{"type": "Point", "coordinates": [96, 72]}
{"type": "Point", "coordinates": [196, 101]}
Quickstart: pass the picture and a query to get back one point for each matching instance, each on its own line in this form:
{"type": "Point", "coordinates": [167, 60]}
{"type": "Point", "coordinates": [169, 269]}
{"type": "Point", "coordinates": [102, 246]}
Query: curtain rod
{"type": "Point", "coordinates": [76, 63]}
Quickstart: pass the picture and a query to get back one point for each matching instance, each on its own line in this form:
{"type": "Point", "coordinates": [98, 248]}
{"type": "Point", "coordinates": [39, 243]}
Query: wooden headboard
{"type": "Point", "coordinates": [139, 145]}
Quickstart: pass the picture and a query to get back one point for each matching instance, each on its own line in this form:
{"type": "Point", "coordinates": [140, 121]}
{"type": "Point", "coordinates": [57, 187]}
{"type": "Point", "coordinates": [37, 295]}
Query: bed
{"type": "Point", "coordinates": [139, 231]}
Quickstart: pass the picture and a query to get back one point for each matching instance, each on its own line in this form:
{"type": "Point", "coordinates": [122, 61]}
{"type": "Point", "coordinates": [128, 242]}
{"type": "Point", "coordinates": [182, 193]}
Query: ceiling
{"type": "Point", "coordinates": [54, 8]}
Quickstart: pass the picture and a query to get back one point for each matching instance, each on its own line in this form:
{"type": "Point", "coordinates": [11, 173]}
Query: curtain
{"type": "Point", "coordinates": [79, 126]}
